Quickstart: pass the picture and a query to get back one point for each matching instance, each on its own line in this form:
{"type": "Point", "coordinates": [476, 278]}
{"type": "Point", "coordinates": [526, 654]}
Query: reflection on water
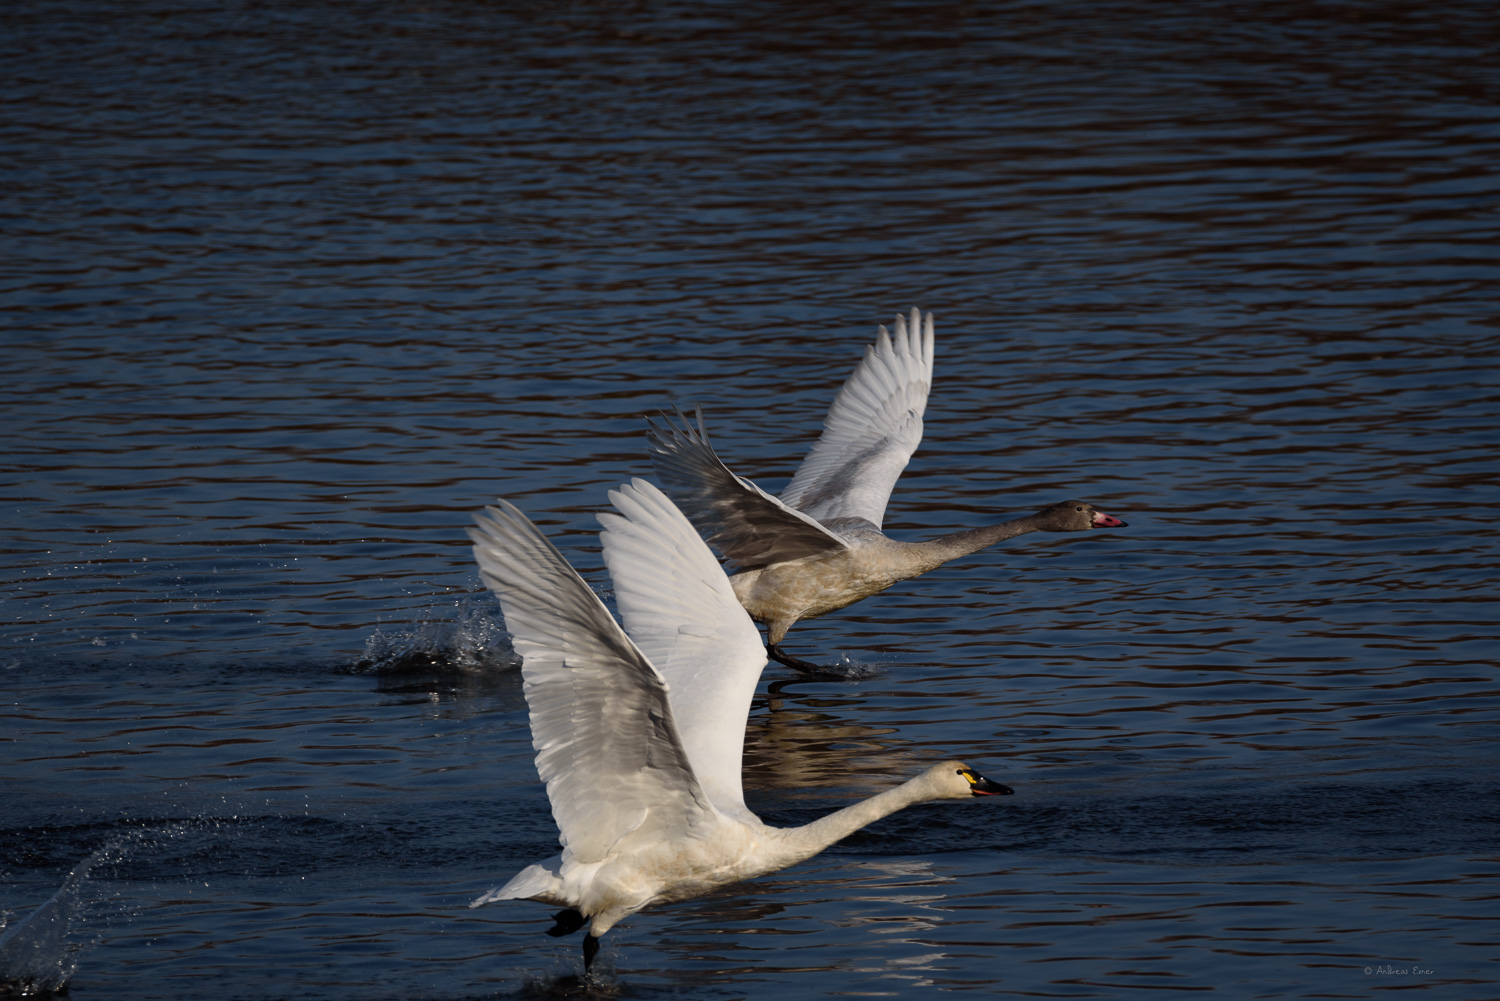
{"type": "Point", "coordinates": [796, 740]}
{"type": "Point", "coordinates": [291, 290]}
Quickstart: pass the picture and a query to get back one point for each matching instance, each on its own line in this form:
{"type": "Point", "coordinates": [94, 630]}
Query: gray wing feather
{"type": "Point", "coordinates": [748, 525]}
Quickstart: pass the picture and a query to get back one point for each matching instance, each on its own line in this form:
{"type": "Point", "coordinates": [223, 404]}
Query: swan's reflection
{"type": "Point", "coordinates": [882, 910]}
{"type": "Point", "coordinates": [805, 740]}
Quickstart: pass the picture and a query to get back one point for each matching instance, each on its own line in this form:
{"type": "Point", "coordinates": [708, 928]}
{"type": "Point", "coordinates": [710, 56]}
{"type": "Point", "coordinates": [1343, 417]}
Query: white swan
{"type": "Point", "coordinates": [819, 547]}
{"type": "Point", "coordinates": [639, 737]}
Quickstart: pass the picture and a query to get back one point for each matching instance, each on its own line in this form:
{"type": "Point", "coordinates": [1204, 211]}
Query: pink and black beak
{"type": "Point", "coordinates": [981, 786]}
{"type": "Point", "coordinates": [1102, 520]}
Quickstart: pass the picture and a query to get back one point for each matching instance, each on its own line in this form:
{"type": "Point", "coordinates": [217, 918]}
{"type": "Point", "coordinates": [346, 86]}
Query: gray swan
{"type": "Point", "coordinates": [819, 547]}
{"type": "Point", "coordinates": [639, 732]}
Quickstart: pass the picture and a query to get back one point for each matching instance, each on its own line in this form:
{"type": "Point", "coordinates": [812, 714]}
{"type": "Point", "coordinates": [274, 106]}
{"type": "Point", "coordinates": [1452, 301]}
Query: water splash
{"type": "Point", "coordinates": [473, 641]}
{"type": "Point", "coordinates": [40, 954]}
{"type": "Point", "coordinates": [850, 669]}
{"type": "Point", "coordinates": [846, 668]}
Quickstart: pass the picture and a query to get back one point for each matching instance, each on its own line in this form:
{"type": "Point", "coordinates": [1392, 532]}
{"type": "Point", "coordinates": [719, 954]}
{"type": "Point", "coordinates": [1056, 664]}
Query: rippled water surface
{"type": "Point", "coordinates": [288, 291]}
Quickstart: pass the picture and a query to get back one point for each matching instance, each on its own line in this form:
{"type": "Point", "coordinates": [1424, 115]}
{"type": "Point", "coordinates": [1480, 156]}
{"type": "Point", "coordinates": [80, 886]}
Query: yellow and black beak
{"type": "Point", "coordinates": [981, 786]}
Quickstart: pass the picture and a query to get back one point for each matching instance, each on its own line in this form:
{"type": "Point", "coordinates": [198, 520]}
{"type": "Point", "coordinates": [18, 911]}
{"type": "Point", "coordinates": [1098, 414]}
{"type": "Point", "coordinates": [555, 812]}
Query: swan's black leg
{"type": "Point", "coordinates": [796, 663]}
{"type": "Point", "coordinates": [590, 950]}
{"type": "Point", "coordinates": [568, 922]}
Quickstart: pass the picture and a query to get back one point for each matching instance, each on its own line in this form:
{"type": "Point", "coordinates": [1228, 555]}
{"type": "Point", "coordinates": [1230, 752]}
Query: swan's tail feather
{"type": "Point", "coordinates": [535, 882]}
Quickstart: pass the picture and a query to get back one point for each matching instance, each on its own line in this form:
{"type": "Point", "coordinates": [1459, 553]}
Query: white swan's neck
{"type": "Point", "coordinates": [809, 839]}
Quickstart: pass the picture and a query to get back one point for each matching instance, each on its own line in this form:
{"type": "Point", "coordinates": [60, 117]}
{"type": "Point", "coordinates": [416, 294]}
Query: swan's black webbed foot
{"type": "Point", "coordinates": [590, 950]}
{"type": "Point", "coordinates": [797, 663]}
{"type": "Point", "coordinates": [568, 922]}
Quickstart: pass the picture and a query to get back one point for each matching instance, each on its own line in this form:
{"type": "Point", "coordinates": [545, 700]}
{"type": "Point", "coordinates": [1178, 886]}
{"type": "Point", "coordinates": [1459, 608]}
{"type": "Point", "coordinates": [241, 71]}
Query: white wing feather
{"type": "Point", "coordinates": [748, 525]}
{"type": "Point", "coordinates": [606, 743]}
{"type": "Point", "coordinates": [682, 614]}
{"type": "Point", "coordinates": [872, 429]}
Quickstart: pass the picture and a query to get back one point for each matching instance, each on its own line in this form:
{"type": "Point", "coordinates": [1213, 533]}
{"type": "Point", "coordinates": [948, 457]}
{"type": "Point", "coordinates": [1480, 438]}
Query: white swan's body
{"type": "Point", "coordinates": [820, 547]}
{"type": "Point", "coordinates": [639, 737]}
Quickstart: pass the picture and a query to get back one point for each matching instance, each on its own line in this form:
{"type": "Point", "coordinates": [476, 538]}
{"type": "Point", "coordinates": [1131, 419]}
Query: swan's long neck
{"type": "Point", "coordinates": [936, 552]}
{"type": "Point", "coordinates": [809, 839]}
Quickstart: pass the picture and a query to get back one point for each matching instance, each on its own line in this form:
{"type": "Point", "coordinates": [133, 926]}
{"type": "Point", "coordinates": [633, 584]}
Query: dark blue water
{"type": "Point", "coordinates": [288, 291]}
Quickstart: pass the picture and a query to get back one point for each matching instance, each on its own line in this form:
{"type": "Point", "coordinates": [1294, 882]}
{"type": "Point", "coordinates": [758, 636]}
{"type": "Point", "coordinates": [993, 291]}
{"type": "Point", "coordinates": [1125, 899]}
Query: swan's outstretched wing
{"type": "Point", "coordinates": [873, 427]}
{"type": "Point", "coordinates": [749, 526]}
{"type": "Point", "coordinates": [681, 612]}
{"type": "Point", "coordinates": [606, 743]}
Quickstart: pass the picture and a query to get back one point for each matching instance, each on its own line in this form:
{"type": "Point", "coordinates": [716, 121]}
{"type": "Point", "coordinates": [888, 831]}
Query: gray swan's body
{"type": "Point", "coordinates": [639, 736]}
{"type": "Point", "coordinates": [819, 547]}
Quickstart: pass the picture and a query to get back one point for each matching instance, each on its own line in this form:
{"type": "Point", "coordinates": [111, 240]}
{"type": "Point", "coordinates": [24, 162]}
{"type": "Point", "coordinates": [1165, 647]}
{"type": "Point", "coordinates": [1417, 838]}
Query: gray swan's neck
{"type": "Point", "coordinates": [936, 552]}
